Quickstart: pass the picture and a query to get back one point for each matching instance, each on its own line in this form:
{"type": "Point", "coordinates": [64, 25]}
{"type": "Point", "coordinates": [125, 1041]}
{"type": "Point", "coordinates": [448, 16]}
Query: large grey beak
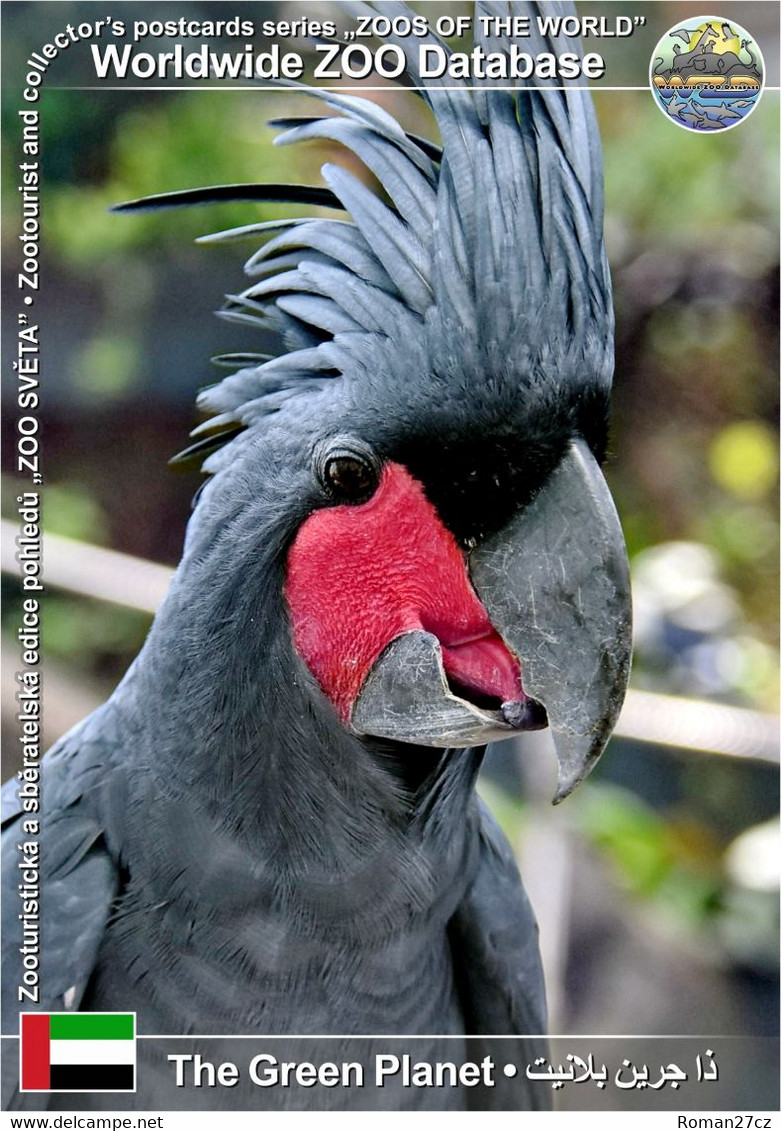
{"type": "Point", "coordinates": [555, 583]}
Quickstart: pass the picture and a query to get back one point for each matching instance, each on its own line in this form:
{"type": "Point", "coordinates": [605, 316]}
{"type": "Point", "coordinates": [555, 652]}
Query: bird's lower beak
{"type": "Point", "coordinates": [407, 697]}
{"type": "Point", "coordinates": [555, 585]}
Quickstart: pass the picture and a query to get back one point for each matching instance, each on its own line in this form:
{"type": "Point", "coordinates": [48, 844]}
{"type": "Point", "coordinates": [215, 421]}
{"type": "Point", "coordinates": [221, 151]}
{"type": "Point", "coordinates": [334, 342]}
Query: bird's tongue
{"type": "Point", "coordinates": [484, 669]}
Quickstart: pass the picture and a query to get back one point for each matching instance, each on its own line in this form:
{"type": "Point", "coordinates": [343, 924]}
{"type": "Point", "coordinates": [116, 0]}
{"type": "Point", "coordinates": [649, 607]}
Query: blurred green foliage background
{"type": "Point", "coordinates": [692, 227]}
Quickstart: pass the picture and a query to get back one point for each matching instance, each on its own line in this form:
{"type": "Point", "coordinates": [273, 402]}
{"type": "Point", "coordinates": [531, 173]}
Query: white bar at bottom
{"type": "Point", "coordinates": [439, 1121]}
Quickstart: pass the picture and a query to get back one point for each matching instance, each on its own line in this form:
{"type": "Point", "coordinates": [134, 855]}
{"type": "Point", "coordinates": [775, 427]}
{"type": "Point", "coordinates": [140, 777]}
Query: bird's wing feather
{"type": "Point", "coordinates": [78, 869]}
{"type": "Point", "coordinates": [74, 911]}
{"type": "Point", "coordinates": [496, 959]}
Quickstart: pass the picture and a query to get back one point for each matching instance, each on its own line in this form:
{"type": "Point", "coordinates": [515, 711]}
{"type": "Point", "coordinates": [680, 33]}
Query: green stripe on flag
{"type": "Point", "coordinates": [91, 1027]}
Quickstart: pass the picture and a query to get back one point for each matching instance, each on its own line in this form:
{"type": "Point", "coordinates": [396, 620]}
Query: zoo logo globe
{"type": "Point", "coordinates": [707, 74]}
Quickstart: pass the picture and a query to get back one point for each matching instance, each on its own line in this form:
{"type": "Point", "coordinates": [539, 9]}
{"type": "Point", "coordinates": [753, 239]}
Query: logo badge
{"type": "Point", "coordinates": [707, 74]}
{"type": "Point", "coordinates": [77, 1052]}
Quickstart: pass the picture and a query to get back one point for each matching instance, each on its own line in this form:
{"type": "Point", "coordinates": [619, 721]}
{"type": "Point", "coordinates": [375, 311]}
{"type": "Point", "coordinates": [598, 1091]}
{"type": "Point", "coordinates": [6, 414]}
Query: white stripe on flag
{"type": "Point", "coordinates": [92, 1052]}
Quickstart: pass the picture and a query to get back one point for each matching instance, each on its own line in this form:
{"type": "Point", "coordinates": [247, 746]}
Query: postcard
{"type": "Point", "coordinates": [464, 503]}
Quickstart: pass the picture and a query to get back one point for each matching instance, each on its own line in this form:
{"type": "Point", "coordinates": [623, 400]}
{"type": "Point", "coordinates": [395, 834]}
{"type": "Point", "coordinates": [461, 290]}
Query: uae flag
{"type": "Point", "coordinates": [78, 1052]}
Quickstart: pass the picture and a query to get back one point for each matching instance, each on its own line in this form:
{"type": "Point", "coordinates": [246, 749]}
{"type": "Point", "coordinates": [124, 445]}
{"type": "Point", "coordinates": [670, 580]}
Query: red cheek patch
{"type": "Point", "coordinates": [359, 576]}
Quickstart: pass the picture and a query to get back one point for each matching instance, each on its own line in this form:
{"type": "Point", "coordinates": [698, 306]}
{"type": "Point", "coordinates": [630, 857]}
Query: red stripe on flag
{"type": "Point", "coordinates": [36, 1071]}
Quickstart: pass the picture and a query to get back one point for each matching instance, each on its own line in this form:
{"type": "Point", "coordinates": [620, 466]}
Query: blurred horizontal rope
{"type": "Point", "coordinates": [695, 724]}
{"type": "Point", "coordinates": [91, 571]}
{"type": "Point", "coordinates": [664, 720]}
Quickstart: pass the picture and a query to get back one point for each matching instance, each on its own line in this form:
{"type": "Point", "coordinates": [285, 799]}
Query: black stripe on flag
{"type": "Point", "coordinates": [92, 1078]}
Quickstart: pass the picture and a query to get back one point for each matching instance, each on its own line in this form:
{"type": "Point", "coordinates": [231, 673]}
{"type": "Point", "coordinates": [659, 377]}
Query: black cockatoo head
{"type": "Point", "coordinates": [419, 469]}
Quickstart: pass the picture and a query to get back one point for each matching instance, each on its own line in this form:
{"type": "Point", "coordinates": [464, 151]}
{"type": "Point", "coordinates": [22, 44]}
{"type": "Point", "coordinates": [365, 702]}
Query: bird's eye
{"type": "Point", "coordinates": [349, 476]}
